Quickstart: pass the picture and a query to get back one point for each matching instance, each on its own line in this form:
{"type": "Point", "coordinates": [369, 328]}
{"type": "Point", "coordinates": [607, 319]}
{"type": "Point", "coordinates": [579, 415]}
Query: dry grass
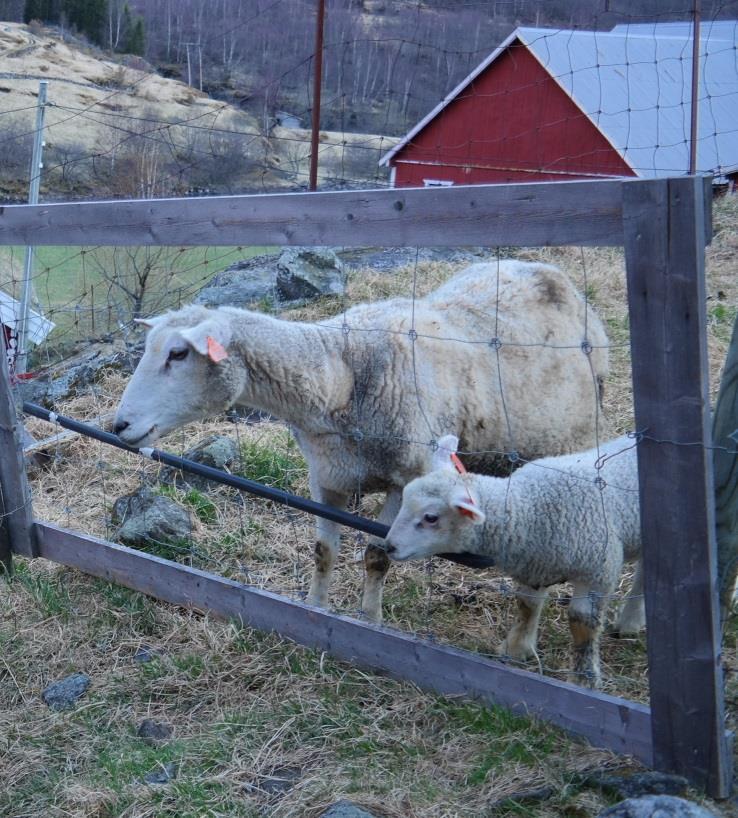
{"type": "Point", "coordinates": [247, 706]}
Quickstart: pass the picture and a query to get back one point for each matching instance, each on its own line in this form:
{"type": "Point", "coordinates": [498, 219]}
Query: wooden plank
{"type": "Point", "coordinates": [725, 460]}
{"type": "Point", "coordinates": [577, 213]}
{"type": "Point", "coordinates": [32, 446]}
{"type": "Point", "coordinates": [16, 523]}
{"type": "Point", "coordinates": [664, 247]}
{"type": "Point", "coordinates": [606, 721]}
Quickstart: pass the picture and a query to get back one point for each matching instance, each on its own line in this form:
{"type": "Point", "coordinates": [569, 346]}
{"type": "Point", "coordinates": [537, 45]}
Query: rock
{"type": "Point", "coordinates": [346, 809]}
{"type": "Point", "coordinates": [163, 775]}
{"type": "Point", "coordinates": [390, 258]}
{"type": "Point", "coordinates": [153, 731]}
{"type": "Point", "coordinates": [241, 284]}
{"type": "Point", "coordinates": [638, 784]}
{"type": "Point", "coordinates": [280, 781]}
{"type": "Point", "coordinates": [656, 806]}
{"type": "Point", "coordinates": [77, 373]}
{"type": "Point", "coordinates": [216, 451]}
{"type": "Point", "coordinates": [63, 694]}
{"type": "Point", "coordinates": [144, 516]}
{"type": "Point", "coordinates": [144, 654]}
{"type": "Point", "coordinates": [304, 273]}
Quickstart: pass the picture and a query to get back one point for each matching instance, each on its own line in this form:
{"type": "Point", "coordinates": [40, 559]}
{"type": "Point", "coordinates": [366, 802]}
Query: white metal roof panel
{"type": "Point", "coordinates": [38, 326]}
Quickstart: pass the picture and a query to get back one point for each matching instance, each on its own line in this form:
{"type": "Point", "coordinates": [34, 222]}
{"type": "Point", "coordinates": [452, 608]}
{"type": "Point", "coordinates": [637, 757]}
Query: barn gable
{"type": "Point", "coordinates": [513, 122]}
{"type": "Point", "coordinates": [554, 104]}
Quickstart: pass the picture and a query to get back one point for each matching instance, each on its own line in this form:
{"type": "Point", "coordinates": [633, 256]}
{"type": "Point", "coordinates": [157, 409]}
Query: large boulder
{"type": "Point", "coordinates": [304, 273]}
{"type": "Point", "coordinates": [298, 274]}
{"type": "Point", "coordinates": [145, 517]}
{"type": "Point", "coordinates": [242, 284]}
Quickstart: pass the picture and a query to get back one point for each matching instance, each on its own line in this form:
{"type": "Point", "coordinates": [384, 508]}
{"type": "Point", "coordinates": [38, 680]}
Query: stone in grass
{"type": "Point", "coordinates": [346, 809]}
{"type": "Point", "coordinates": [143, 654]}
{"type": "Point", "coordinates": [63, 694]}
{"type": "Point", "coordinates": [638, 784]}
{"type": "Point", "coordinates": [656, 806]}
{"type": "Point", "coordinates": [216, 451]}
{"type": "Point", "coordinates": [279, 782]}
{"type": "Point", "coordinates": [153, 731]}
{"type": "Point", "coordinates": [165, 774]}
{"type": "Point", "coordinates": [145, 517]}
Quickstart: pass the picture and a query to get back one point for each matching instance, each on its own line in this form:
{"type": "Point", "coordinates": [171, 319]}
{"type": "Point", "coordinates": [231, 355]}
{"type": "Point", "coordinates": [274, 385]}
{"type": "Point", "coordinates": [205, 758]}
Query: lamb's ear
{"type": "Point", "coordinates": [467, 506]}
{"type": "Point", "coordinates": [208, 338]}
{"type": "Point", "coordinates": [447, 446]}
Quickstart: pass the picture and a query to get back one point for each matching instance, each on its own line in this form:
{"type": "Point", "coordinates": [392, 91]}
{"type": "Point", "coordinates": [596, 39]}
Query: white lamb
{"type": "Point", "coordinates": [496, 355]}
{"type": "Point", "coordinates": [559, 519]}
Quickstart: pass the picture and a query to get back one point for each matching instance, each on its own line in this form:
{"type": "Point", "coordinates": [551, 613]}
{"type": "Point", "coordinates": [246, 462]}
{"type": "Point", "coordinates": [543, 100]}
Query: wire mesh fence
{"type": "Point", "coordinates": [93, 294]}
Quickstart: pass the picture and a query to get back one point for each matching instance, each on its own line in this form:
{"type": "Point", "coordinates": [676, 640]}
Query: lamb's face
{"type": "Point", "coordinates": [185, 375]}
{"type": "Point", "coordinates": [435, 509]}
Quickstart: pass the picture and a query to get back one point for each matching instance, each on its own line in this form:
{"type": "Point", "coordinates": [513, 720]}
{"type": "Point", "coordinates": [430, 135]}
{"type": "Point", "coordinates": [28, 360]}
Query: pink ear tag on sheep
{"type": "Point", "coordinates": [216, 350]}
{"type": "Point", "coordinates": [461, 469]}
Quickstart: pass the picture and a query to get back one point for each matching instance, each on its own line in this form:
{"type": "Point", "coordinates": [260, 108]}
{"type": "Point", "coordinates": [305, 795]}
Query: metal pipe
{"type": "Point", "coordinates": [317, 80]}
{"type": "Point", "coordinates": [242, 483]}
{"type": "Point", "coordinates": [21, 360]}
{"type": "Point", "coordinates": [694, 120]}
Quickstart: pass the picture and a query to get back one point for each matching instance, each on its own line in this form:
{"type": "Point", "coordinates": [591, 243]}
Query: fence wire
{"type": "Point", "coordinates": [376, 89]}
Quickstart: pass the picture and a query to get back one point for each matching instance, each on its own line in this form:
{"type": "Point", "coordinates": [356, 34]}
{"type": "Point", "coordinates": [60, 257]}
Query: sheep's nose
{"type": "Point", "coordinates": [120, 426]}
{"type": "Point", "coordinates": [389, 549]}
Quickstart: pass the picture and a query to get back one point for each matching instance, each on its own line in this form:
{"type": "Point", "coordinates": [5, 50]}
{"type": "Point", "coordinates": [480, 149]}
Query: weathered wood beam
{"type": "Point", "coordinates": [664, 228]}
{"type": "Point", "coordinates": [605, 721]}
{"type": "Point", "coordinates": [579, 213]}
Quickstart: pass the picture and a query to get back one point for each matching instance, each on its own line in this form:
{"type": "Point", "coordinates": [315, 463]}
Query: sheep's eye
{"type": "Point", "coordinates": [430, 518]}
{"type": "Point", "coordinates": [178, 354]}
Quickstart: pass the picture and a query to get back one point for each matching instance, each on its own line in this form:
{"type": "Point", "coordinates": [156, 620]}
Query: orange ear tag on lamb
{"type": "Point", "coordinates": [461, 469]}
{"type": "Point", "coordinates": [216, 350]}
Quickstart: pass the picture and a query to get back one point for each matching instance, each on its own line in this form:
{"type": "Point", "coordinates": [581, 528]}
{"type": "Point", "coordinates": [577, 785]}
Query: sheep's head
{"type": "Point", "coordinates": [435, 509]}
{"type": "Point", "coordinates": [185, 374]}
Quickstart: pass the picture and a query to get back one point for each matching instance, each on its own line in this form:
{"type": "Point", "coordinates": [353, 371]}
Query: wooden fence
{"type": "Point", "coordinates": [664, 226]}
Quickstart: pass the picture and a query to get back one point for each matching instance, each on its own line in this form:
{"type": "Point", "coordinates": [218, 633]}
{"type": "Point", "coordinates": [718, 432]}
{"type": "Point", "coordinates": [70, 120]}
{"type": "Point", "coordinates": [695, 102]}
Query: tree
{"type": "Point", "coordinates": [88, 17]}
{"type": "Point", "coordinates": [48, 11]}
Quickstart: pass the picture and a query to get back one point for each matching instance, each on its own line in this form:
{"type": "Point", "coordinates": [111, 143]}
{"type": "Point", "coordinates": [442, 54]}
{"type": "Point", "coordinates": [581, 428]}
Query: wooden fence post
{"type": "Point", "coordinates": [17, 532]}
{"type": "Point", "coordinates": [725, 439]}
{"type": "Point", "coordinates": [664, 237]}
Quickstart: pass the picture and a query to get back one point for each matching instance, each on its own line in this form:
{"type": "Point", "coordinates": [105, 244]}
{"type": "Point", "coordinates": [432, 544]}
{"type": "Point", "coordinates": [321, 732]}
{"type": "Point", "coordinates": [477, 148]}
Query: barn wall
{"type": "Point", "coordinates": [513, 123]}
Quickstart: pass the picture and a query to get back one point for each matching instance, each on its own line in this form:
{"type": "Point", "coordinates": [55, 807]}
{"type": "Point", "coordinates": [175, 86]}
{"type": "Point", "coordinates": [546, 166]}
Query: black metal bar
{"type": "Point", "coordinates": [217, 475]}
{"type": "Point", "coordinates": [243, 484]}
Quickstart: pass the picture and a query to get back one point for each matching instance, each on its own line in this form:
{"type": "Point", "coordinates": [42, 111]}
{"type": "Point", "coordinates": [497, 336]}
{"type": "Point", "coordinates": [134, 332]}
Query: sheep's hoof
{"type": "Point", "coordinates": [520, 652]}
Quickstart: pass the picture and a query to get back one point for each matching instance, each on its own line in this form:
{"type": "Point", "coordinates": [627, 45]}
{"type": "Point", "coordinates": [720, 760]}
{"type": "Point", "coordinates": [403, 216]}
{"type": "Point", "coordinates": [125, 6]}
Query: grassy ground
{"type": "Point", "coordinates": [79, 288]}
{"type": "Point", "coordinates": [262, 727]}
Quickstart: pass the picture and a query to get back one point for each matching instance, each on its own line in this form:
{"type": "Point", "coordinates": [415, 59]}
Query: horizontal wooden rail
{"type": "Point", "coordinates": [580, 213]}
{"type": "Point", "coordinates": [605, 721]}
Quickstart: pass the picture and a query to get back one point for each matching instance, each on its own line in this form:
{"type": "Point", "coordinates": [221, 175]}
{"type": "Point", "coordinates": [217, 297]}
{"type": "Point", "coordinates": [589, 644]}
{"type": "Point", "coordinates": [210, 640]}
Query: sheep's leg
{"type": "Point", "coordinates": [376, 562]}
{"type": "Point", "coordinates": [521, 639]}
{"type": "Point", "coordinates": [586, 618]}
{"type": "Point", "coordinates": [326, 546]}
{"type": "Point", "coordinates": [632, 618]}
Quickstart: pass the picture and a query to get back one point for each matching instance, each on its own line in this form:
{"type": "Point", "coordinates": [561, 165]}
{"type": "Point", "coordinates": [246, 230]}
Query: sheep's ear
{"type": "Point", "coordinates": [149, 323]}
{"type": "Point", "coordinates": [447, 446]}
{"type": "Point", "coordinates": [467, 506]}
{"type": "Point", "coordinates": [208, 338]}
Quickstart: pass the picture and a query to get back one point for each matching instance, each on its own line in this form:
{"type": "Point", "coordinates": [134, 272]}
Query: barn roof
{"type": "Point", "coordinates": [634, 84]}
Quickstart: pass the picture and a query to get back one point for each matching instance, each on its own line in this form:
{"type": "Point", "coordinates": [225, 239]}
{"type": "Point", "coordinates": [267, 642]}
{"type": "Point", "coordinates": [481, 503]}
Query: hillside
{"type": "Point", "coordinates": [121, 129]}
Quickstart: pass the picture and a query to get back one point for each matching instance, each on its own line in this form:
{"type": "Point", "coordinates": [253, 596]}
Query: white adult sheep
{"type": "Point", "coordinates": [495, 354]}
{"type": "Point", "coordinates": [573, 518]}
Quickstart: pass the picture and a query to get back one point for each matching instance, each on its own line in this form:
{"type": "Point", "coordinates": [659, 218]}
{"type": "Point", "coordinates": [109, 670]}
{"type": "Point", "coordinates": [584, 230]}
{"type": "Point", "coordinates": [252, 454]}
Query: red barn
{"type": "Point", "coordinates": [551, 105]}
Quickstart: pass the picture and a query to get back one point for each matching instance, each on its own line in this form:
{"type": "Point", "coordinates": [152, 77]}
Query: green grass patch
{"type": "Point", "coordinates": [71, 283]}
{"type": "Point", "coordinates": [279, 464]}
